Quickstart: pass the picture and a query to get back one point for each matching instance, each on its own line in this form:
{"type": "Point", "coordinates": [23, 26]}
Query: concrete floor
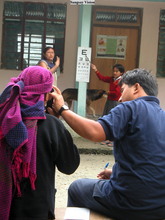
{"type": "Point", "coordinates": [93, 157]}
{"type": "Point", "coordinates": [90, 166]}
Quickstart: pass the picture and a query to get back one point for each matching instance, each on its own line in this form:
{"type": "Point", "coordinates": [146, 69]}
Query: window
{"type": "Point", "coordinates": [161, 46]}
{"type": "Point", "coordinates": [103, 15]}
{"type": "Point", "coordinates": [29, 28]}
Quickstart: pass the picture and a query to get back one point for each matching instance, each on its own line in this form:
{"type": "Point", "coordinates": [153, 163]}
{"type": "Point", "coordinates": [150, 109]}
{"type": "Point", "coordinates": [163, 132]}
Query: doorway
{"type": "Point", "coordinates": [115, 38]}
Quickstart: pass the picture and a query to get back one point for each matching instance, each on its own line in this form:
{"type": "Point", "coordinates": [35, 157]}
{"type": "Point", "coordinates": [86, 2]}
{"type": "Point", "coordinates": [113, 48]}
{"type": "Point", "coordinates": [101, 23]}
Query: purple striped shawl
{"type": "Point", "coordinates": [21, 106]}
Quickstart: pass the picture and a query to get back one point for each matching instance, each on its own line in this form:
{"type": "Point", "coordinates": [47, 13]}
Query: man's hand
{"type": "Point", "coordinates": [51, 111]}
{"type": "Point", "coordinates": [87, 128]}
{"type": "Point", "coordinates": [58, 100]}
{"type": "Point", "coordinates": [105, 174]}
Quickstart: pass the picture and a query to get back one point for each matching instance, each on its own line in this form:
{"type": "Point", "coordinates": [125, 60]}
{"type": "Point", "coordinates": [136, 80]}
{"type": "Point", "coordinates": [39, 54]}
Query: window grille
{"type": "Point", "coordinates": [28, 28]}
{"type": "Point", "coordinates": [116, 16]}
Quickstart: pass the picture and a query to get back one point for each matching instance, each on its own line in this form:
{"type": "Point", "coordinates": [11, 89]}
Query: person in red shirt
{"type": "Point", "coordinates": [114, 92]}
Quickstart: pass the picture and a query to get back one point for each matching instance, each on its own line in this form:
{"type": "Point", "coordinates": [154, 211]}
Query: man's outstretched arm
{"type": "Point", "coordinates": [89, 129]}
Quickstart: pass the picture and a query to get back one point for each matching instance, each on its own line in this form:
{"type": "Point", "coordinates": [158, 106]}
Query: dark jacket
{"type": "Point", "coordinates": [55, 148]}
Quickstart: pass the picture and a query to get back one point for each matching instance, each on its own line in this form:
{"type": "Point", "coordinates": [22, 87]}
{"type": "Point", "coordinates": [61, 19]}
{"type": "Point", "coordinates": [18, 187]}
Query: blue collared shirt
{"type": "Point", "coordinates": [138, 130]}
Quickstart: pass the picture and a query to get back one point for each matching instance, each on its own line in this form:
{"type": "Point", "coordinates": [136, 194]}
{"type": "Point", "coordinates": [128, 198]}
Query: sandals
{"type": "Point", "coordinates": [103, 143]}
{"type": "Point", "coordinates": [110, 144]}
{"type": "Point", "coordinates": [107, 142]}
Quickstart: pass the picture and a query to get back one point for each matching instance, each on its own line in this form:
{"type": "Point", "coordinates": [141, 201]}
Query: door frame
{"type": "Point", "coordinates": [115, 17]}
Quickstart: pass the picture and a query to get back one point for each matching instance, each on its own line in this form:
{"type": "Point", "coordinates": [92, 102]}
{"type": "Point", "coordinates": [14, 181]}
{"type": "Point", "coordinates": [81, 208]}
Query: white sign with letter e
{"type": "Point", "coordinates": [83, 64]}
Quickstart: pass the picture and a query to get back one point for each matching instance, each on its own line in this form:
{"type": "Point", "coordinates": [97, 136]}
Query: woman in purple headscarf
{"type": "Point", "coordinates": [32, 144]}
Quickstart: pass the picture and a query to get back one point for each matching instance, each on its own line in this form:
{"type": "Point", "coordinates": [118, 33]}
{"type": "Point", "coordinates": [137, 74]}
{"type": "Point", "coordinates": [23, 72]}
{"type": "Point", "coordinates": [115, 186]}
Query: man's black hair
{"type": "Point", "coordinates": [146, 80]}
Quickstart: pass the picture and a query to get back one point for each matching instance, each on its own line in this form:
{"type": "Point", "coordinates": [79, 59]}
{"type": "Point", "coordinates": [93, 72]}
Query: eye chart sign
{"type": "Point", "coordinates": [83, 64]}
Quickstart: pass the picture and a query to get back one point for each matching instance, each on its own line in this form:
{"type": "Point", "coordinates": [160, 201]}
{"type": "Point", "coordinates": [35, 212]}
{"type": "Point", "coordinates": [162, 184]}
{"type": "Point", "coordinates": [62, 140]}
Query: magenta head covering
{"type": "Point", "coordinates": [21, 106]}
{"type": "Point", "coordinates": [37, 81]}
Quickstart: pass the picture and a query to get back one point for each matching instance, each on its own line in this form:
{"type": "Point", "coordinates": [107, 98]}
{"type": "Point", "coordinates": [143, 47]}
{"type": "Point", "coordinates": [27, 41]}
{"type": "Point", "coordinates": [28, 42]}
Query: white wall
{"type": "Point", "coordinates": [148, 47]}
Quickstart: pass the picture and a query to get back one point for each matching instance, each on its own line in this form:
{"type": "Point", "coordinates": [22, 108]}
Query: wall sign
{"type": "Point", "coordinates": [83, 64]}
{"type": "Point", "coordinates": [82, 2]}
{"type": "Point", "coordinates": [111, 46]}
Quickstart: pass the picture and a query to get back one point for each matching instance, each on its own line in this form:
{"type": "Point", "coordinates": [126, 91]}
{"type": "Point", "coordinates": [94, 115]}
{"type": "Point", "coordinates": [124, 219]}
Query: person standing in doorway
{"type": "Point", "coordinates": [114, 92]}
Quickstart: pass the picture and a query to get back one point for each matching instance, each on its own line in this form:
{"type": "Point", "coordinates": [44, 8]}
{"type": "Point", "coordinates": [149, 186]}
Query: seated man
{"type": "Point", "coordinates": [135, 187]}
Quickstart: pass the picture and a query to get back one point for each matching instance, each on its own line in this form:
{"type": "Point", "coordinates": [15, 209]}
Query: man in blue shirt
{"type": "Point", "coordinates": [135, 187]}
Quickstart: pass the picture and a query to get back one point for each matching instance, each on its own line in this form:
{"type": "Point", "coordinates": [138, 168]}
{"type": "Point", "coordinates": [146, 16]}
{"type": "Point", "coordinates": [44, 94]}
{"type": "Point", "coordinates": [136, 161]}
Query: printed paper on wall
{"type": "Point", "coordinates": [111, 46]}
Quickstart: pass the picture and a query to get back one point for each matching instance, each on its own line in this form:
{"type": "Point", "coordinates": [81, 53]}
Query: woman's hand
{"type": "Point", "coordinates": [57, 63]}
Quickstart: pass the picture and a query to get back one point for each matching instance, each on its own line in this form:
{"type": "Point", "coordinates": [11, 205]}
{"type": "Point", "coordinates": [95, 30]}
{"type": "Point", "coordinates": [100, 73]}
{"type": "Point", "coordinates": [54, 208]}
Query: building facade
{"type": "Point", "coordinates": [145, 39]}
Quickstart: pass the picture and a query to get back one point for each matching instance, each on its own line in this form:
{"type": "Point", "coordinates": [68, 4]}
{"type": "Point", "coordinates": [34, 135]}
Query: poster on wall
{"type": "Point", "coordinates": [83, 64]}
{"type": "Point", "coordinates": [113, 47]}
